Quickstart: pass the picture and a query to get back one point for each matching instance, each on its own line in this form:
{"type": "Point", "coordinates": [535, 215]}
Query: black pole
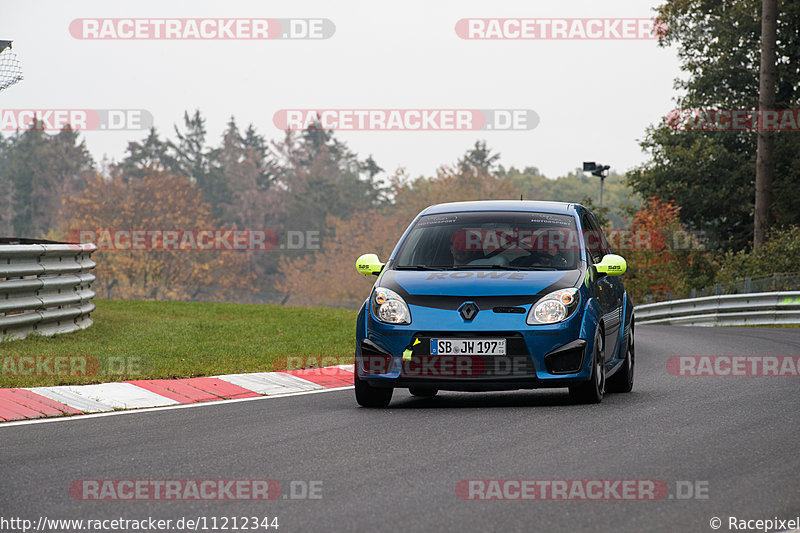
{"type": "Point", "coordinates": [602, 179]}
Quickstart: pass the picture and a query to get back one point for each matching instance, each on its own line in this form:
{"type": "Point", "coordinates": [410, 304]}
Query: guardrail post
{"type": "Point", "coordinates": [748, 284]}
{"type": "Point", "coordinates": [693, 293]}
{"type": "Point", "coordinates": [717, 289]}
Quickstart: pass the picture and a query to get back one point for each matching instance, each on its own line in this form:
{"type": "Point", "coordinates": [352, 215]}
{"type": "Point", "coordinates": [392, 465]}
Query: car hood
{"type": "Point", "coordinates": [449, 289]}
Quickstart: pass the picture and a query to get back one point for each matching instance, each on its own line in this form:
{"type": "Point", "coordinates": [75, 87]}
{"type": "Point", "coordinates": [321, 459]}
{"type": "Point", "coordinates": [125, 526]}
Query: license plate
{"type": "Point", "coordinates": [468, 346]}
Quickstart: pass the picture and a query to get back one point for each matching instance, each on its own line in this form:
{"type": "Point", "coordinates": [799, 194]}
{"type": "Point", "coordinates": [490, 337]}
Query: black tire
{"type": "Point", "coordinates": [423, 392]}
{"type": "Point", "coordinates": [592, 390]}
{"type": "Point", "coordinates": [369, 396]}
{"type": "Point", "coordinates": [622, 381]}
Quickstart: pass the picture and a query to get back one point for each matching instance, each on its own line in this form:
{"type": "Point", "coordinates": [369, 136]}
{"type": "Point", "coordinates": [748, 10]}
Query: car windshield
{"type": "Point", "coordinates": [496, 240]}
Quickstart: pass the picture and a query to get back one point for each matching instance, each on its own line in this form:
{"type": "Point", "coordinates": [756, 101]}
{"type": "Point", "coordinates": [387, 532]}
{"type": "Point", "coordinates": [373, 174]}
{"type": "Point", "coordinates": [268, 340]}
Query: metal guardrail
{"type": "Point", "coordinates": [752, 309]}
{"type": "Point", "coordinates": [774, 282]}
{"type": "Point", "coordinates": [45, 288]}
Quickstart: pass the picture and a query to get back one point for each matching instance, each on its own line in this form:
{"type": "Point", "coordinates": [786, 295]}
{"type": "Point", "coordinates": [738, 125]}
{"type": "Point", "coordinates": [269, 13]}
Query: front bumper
{"type": "Point", "coordinates": [538, 356]}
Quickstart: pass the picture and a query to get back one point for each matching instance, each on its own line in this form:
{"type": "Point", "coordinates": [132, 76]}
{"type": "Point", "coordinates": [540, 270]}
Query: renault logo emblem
{"type": "Point", "coordinates": [468, 310]}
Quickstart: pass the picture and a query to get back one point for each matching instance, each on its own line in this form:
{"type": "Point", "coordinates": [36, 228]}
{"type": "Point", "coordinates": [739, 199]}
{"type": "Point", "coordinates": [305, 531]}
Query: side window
{"type": "Point", "coordinates": [593, 239]}
{"type": "Point", "coordinates": [603, 241]}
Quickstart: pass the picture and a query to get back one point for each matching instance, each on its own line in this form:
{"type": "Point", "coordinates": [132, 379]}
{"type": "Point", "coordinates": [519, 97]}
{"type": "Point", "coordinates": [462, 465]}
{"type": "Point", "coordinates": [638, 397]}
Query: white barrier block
{"type": "Point", "coordinates": [270, 382]}
{"type": "Point", "coordinates": [104, 397]}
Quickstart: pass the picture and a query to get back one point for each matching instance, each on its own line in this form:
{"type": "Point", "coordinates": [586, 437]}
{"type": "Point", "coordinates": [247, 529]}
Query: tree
{"type": "Point", "coordinates": [157, 200]}
{"type": "Point", "coordinates": [7, 198]}
{"type": "Point", "coordinates": [143, 157]}
{"type": "Point", "coordinates": [317, 175]}
{"type": "Point", "coordinates": [669, 260]}
{"type": "Point", "coordinates": [241, 167]}
{"type": "Point", "coordinates": [600, 213]}
{"type": "Point", "coordinates": [479, 160]}
{"type": "Point", "coordinates": [718, 45]}
{"type": "Point", "coordinates": [766, 142]}
{"type": "Point", "coordinates": [711, 174]}
{"type": "Point", "coordinates": [577, 187]}
{"type": "Point", "coordinates": [190, 157]}
{"type": "Point", "coordinates": [780, 253]}
{"type": "Point", "coordinates": [39, 170]}
{"type": "Point", "coordinates": [328, 276]}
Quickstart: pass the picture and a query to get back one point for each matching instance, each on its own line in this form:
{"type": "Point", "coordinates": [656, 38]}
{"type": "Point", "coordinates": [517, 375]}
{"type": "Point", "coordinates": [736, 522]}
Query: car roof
{"type": "Point", "coordinates": [566, 208]}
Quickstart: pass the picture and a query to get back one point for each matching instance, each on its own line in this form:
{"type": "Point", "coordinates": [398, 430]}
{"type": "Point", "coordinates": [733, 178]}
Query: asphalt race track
{"type": "Point", "coordinates": [397, 469]}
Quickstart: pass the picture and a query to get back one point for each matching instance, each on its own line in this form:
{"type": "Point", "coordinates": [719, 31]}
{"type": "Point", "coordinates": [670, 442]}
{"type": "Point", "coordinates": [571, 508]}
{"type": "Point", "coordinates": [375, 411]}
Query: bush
{"type": "Point", "coordinates": [781, 253]}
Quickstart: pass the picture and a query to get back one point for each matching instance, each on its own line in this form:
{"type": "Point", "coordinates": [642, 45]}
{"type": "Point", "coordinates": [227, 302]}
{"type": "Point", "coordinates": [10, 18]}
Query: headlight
{"type": "Point", "coordinates": [554, 307]}
{"type": "Point", "coordinates": [389, 307]}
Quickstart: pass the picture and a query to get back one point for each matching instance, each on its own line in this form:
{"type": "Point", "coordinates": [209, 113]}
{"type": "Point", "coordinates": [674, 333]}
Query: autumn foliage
{"type": "Point", "coordinates": [328, 277]}
{"type": "Point", "coordinates": [308, 183]}
{"type": "Point", "coordinates": [157, 200]}
{"type": "Point", "coordinates": [674, 259]}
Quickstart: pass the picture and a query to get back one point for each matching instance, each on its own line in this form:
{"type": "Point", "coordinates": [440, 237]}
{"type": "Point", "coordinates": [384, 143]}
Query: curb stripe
{"type": "Point", "coordinates": [56, 419]}
{"type": "Point", "coordinates": [270, 382]}
{"type": "Point", "coordinates": [220, 388]}
{"type": "Point", "coordinates": [69, 395]}
{"type": "Point", "coordinates": [38, 402]}
{"type": "Point", "coordinates": [13, 411]}
{"type": "Point", "coordinates": [176, 389]}
{"type": "Point", "coordinates": [327, 377]}
{"type": "Point", "coordinates": [107, 397]}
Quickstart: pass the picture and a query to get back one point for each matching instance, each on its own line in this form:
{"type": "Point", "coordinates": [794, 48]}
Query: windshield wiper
{"type": "Point", "coordinates": [420, 267]}
{"type": "Point", "coordinates": [501, 267]}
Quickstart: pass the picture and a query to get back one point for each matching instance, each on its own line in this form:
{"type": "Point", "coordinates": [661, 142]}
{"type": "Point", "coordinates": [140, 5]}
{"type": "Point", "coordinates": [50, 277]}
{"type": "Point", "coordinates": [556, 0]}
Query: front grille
{"type": "Point", "coordinates": [515, 364]}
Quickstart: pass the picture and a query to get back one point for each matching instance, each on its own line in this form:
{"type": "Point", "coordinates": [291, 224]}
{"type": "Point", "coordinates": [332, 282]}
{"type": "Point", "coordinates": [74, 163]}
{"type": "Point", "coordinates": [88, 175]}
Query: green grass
{"type": "Point", "coordinates": [150, 340]}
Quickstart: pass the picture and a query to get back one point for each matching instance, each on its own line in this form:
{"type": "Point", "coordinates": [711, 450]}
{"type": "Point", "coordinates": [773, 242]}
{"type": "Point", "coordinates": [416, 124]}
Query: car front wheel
{"type": "Point", "coordinates": [592, 390]}
{"type": "Point", "coordinates": [622, 381]}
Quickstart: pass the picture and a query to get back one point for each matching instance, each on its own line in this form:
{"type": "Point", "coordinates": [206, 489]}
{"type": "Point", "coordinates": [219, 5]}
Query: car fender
{"type": "Point", "coordinates": [589, 325]}
{"type": "Point", "coordinates": [361, 326]}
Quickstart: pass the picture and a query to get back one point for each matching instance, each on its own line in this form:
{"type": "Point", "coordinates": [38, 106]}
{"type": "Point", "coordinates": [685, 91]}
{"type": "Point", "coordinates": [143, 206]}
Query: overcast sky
{"type": "Point", "coordinates": [594, 98]}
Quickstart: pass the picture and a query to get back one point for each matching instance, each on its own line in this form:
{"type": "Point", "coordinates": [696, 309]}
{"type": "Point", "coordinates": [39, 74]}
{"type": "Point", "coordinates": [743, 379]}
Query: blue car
{"type": "Point", "coordinates": [496, 295]}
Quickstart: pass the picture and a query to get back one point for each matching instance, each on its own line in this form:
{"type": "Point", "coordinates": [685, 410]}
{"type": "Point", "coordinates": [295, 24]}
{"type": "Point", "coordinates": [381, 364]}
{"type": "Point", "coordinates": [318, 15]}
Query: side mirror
{"type": "Point", "coordinates": [612, 264]}
{"type": "Point", "coordinates": [369, 265]}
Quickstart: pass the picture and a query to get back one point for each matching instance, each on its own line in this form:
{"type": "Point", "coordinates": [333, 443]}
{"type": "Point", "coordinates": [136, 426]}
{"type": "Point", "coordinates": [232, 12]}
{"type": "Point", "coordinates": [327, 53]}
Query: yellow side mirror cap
{"type": "Point", "coordinates": [612, 264]}
{"type": "Point", "coordinates": [369, 265]}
